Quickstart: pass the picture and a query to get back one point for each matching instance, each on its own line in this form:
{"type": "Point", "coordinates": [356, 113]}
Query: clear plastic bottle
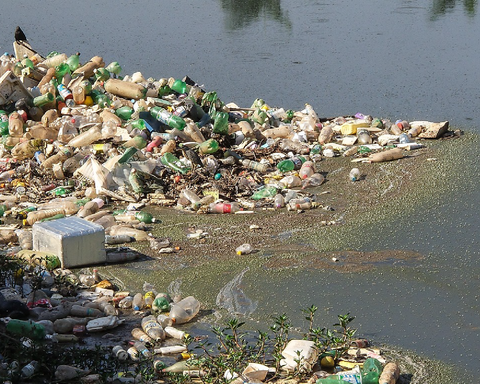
{"type": "Point", "coordinates": [29, 369]}
{"type": "Point", "coordinates": [142, 348]}
{"type": "Point", "coordinates": [255, 165]}
{"type": "Point", "coordinates": [224, 207]}
{"type": "Point", "coordinates": [87, 137]}
{"type": "Point", "coordinates": [138, 302]}
{"type": "Point", "coordinates": [306, 170]}
{"type": "Point", "coordinates": [279, 201]}
{"type": "Point", "coordinates": [139, 334]}
{"type": "Point", "coordinates": [325, 135]}
{"type": "Point", "coordinates": [315, 180]}
{"type": "Point", "coordinates": [244, 249]}
{"type": "Point", "coordinates": [354, 174]}
{"type": "Point", "coordinates": [184, 310]}
{"type": "Point", "coordinates": [152, 328]}
{"type": "Point", "coordinates": [164, 320]}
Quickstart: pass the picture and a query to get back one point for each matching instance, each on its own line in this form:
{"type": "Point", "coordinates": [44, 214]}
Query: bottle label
{"type": "Point", "coordinates": [227, 208]}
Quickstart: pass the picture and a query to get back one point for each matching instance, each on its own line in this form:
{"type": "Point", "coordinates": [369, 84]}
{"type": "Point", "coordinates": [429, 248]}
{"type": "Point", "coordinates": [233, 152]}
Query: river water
{"type": "Point", "coordinates": [399, 59]}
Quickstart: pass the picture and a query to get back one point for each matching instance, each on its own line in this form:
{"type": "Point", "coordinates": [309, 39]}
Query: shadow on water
{"type": "Point", "coordinates": [240, 14]}
{"type": "Point", "coordinates": [442, 7]}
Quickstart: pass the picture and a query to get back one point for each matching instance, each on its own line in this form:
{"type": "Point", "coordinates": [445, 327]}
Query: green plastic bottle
{"type": "Point", "coordinates": [171, 161]}
{"type": "Point", "coordinates": [3, 208]}
{"type": "Point", "coordinates": [220, 124]}
{"type": "Point", "coordinates": [4, 128]}
{"type": "Point", "coordinates": [139, 124]}
{"type": "Point", "coordinates": [73, 62]}
{"type": "Point", "coordinates": [127, 155]}
{"type": "Point", "coordinates": [145, 217]}
{"type": "Point", "coordinates": [26, 328]}
{"type": "Point", "coordinates": [102, 74]}
{"type": "Point", "coordinates": [161, 304]}
{"type": "Point", "coordinates": [114, 67]}
{"type": "Point", "coordinates": [124, 112]}
{"type": "Point", "coordinates": [138, 142]}
{"type": "Point", "coordinates": [371, 371]}
{"type": "Point", "coordinates": [209, 146]}
{"type": "Point", "coordinates": [167, 118]}
{"type": "Point", "coordinates": [61, 70]}
{"type": "Point", "coordinates": [292, 164]}
{"type": "Point", "coordinates": [179, 86]}
{"type": "Point", "coordinates": [267, 191]}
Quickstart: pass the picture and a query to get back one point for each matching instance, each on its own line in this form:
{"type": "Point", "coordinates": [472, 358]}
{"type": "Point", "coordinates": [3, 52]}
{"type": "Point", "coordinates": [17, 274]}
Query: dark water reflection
{"type": "Point", "coordinates": [240, 14]}
{"type": "Point", "coordinates": [443, 7]}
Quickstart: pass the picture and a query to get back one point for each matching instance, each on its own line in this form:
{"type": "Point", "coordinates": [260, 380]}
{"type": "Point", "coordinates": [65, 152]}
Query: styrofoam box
{"type": "Point", "coordinates": [76, 242]}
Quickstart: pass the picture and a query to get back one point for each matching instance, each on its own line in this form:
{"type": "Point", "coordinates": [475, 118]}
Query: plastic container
{"type": "Point", "coordinates": [75, 241]}
{"type": "Point", "coordinates": [103, 323]}
{"type": "Point", "coordinates": [303, 350]}
{"type": "Point", "coordinates": [184, 310]}
{"type": "Point", "coordinates": [170, 350]}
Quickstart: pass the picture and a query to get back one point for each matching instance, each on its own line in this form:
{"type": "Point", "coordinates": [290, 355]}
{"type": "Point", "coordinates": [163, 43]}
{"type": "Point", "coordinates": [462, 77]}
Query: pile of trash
{"type": "Point", "coordinates": [153, 333]}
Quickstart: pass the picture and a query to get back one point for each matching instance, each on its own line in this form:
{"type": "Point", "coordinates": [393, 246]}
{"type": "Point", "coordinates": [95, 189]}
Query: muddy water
{"type": "Point", "coordinates": [397, 59]}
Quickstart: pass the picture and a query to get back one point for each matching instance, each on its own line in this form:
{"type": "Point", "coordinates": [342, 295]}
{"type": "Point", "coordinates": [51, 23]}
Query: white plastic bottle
{"type": "Point", "coordinates": [184, 310]}
{"type": "Point", "coordinates": [307, 170]}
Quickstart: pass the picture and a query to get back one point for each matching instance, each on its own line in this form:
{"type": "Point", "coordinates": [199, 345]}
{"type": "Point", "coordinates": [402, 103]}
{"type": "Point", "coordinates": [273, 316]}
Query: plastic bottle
{"type": "Point", "coordinates": [35, 216]}
{"type": "Point", "coordinates": [224, 207]}
{"type": "Point", "coordinates": [184, 310]}
{"type": "Point", "coordinates": [286, 145]}
{"type": "Point", "coordinates": [138, 302]}
{"type": "Point", "coordinates": [63, 154]}
{"type": "Point", "coordinates": [80, 311]}
{"type": "Point", "coordinates": [209, 146]}
{"type": "Point", "coordinates": [168, 118]}
{"type": "Point", "coordinates": [315, 180]}
{"type": "Point", "coordinates": [164, 320]}
{"type": "Point", "coordinates": [291, 164]}
{"type": "Point", "coordinates": [279, 201]}
{"type": "Point", "coordinates": [255, 165]}
{"type": "Point", "coordinates": [120, 353]}
{"type": "Point", "coordinates": [170, 350]}
{"type": "Point", "coordinates": [26, 328]}
{"type": "Point", "coordinates": [133, 353]}
{"type": "Point", "coordinates": [171, 161]}
{"type": "Point", "coordinates": [371, 370]}
{"type": "Point", "coordinates": [87, 137]}
{"type": "Point", "coordinates": [140, 335]}
{"type": "Point", "coordinates": [390, 374]}
{"type": "Point", "coordinates": [125, 89]}
{"type": "Point", "coordinates": [175, 333]}
{"type": "Point", "coordinates": [244, 249]}
{"type": "Point", "coordinates": [148, 299]}
{"type": "Point", "coordinates": [266, 191]}
{"type": "Point", "coordinates": [325, 135]}
{"type": "Point", "coordinates": [363, 137]}
{"type": "Point", "coordinates": [306, 170]}
{"type": "Point", "coordinates": [29, 369]}
{"type": "Point", "coordinates": [354, 174]}
{"type": "Point", "coordinates": [152, 328]}
{"type": "Point", "coordinates": [142, 348]}
{"type": "Point", "coordinates": [138, 142]}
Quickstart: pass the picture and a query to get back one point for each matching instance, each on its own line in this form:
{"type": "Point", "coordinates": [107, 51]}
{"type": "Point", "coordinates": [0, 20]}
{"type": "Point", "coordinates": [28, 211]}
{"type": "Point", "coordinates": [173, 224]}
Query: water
{"type": "Point", "coordinates": [399, 59]}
